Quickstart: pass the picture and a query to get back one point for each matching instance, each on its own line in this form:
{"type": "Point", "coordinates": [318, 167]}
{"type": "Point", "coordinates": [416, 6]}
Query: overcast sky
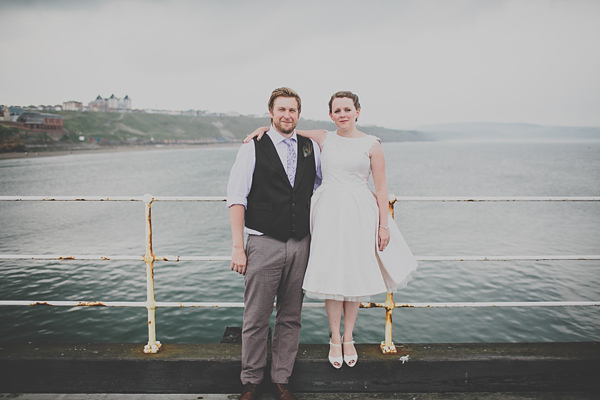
{"type": "Point", "coordinates": [411, 62]}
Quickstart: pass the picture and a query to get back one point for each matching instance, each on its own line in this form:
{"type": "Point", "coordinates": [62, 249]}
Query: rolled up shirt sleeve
{"type": "Point", "coordinates": [240, 178]}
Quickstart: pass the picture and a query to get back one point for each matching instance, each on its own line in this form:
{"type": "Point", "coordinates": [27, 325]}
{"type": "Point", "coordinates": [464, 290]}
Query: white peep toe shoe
{"type": "Point", "coordinates": [350, 360]}
{"type": "Point", "coordinates": [336, 362]}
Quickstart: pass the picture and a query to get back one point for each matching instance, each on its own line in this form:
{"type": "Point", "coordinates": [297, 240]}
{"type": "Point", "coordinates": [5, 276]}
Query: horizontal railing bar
{"type": "Point", "coordinates": [113, 198]}
{"type": "Point", "coordinates": [511, 258]}
{"type": "Point", "coordinates": [190, 198]}
{"type": "Point", "coordinates": [192, 258]}
{"type": "Point", "coordinates": [191, 304]}
{"type": "Point", "coordinates": [223, 198]}
{"type": "Point", "coordinates": [49, 257]}
{"type": "Point", "coordinates": [172, 304]}
{"type": "Point", "coordinates": [502, 304]}
{"type": "Point", "coordinates": [491, 199]}
{"type": "Point", "coordinates": [72, 198]}
{"type": "Point", "coordinates": [57, 303]}
{"type": "Point", "coordinates": [172, 258]}
{"type": "Point", "coordinates": [400, 305]}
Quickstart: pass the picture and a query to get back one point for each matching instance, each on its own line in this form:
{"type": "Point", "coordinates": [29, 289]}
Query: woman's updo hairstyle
{"type": "Point", "coordinates": [350, 95]}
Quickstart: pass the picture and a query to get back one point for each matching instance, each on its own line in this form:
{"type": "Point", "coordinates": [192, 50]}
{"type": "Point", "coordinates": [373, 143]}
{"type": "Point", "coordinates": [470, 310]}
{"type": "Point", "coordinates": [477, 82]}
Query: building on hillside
{"type": "Point", "coordinates": [126, 103]}
{"type": "Point", "coordinates": [97, 105]}
{"type": "Point", "coordinates": [53, 121]}
{"type": "Point", "coordinates": [72, 106]}
{"type": "Point", "coordinates": [111, 104]}
{"type": "Point", "coordinates": [47, 107]}
{"type": "Point", "coordinates": [15, 112]}
{"type": "Point", "coordinates": [5, 114]}
{"type": "Point", "coordinates": [35, 120]}
{"type": "Point", "coordinates": [32, 120]}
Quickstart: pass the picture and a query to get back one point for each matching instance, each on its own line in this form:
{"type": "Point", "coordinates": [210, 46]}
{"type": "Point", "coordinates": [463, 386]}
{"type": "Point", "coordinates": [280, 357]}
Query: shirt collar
{"type": "Point", "coordinates": [277, 138]}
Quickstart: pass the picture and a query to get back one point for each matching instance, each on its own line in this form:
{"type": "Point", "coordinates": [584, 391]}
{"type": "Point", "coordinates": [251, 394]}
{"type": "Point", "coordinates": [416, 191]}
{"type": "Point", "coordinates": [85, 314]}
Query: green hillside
{"type": "Point", "coordinates": [120, 127]}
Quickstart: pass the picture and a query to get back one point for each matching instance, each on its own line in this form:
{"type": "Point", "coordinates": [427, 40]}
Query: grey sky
{"type": "Point", "coordinates": [411, 62]}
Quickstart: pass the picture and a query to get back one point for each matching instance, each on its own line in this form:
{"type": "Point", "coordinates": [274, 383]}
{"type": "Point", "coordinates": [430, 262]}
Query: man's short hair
{"type": "Point", "coordinates": [284, 92]}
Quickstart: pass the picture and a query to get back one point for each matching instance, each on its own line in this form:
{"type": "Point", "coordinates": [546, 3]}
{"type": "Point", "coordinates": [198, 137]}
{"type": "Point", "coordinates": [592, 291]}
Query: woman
{"type": "Point", "coordinates": [351, 229]}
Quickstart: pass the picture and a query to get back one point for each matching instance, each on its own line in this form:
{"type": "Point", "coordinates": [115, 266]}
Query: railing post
{"type": "Point", "coordinates": [153, 346]}
{"type": "Point", "coordinates": [387, 346]}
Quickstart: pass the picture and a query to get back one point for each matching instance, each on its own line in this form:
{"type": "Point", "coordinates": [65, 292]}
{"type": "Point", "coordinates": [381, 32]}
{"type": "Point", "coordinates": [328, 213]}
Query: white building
{"type": "Point", "coordinates": [72, 106]}
{"type": "Point", "coordinates": [111, 104]}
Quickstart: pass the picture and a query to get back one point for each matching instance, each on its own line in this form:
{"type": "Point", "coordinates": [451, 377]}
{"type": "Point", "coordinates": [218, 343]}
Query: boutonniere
{"type": "Point", "coordinates": [307, 149]}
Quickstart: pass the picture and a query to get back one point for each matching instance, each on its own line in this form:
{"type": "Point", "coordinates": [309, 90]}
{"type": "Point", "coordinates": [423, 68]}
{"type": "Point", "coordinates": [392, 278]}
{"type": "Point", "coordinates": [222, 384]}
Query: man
{"type": "Point", "coordinates": [269, 191]}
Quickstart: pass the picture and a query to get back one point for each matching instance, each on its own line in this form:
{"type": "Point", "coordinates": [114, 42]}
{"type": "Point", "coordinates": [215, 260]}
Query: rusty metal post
{"type": "Point", "coordinates": [387, 346]}
{"type": "Point", "coordinates": [392, 201]}
{"type": "Point", "coordinates": [153, 346]}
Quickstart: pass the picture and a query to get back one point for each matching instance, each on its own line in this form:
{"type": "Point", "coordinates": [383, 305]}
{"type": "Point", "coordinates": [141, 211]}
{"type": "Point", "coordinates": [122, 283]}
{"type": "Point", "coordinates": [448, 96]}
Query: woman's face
{"type": "Point", "coordinates": [343, 112]}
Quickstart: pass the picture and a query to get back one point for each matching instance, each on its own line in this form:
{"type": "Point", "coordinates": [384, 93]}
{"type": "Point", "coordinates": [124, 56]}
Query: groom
{"type": "Point", "coordinates": [269, 191]}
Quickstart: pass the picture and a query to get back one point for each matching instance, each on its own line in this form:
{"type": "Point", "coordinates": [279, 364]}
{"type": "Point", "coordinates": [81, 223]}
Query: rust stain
{"type": "Point", "coordinates": [91, 304]}
{"type": "Point", "coordinates": [67, 258]}
{"type": "Point", "coordinates": [385, 349]}
{"type": "Point", "coordinates": [105, 258]}
{"type": "Point", "coordinates": [40, 303]}
{"type": "Point", "coordinates": [391, 208]}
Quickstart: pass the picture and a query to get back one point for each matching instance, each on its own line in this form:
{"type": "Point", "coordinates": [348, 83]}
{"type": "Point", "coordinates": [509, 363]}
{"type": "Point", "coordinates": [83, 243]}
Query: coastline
{"type": "Point", "coordinates": [109, 149]}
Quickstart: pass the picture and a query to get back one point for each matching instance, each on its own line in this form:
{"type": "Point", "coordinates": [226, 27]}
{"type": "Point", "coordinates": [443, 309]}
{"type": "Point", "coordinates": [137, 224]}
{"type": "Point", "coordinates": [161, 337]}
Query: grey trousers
{"type": "Point", "coordinates": [274, 269]}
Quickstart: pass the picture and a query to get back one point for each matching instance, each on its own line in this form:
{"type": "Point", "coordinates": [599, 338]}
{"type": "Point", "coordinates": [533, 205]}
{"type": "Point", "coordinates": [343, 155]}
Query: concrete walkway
{"type": "Point", "coordinates": [310, 396]}
{"type": "Point", "coordinates": [215, 368]}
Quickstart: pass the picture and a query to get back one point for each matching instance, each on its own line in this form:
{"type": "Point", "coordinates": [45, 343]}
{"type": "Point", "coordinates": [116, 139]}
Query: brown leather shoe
{"type": "Point", "coordinates": [249, 392]}
{"type": "Point", "coordinates": [283, 392]}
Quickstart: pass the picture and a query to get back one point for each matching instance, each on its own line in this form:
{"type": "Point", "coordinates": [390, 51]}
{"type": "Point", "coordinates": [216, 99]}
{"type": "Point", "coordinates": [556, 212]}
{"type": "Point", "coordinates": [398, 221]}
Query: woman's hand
{"type": "Point", "coordinates": [257, 133]}
{"type": "Point", "coordinates": [238, 261]}
{"type": "Point", "coordinates": [383, 238]}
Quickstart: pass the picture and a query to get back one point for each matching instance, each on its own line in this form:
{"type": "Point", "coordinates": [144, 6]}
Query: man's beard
{"type": "Point", "coordinates": [279, 128]}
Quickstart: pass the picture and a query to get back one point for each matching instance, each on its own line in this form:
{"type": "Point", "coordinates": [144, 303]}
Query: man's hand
{"type": "Point", "coordinates": [238, 261]}
{"type": "Point", "coordinates": [238, 255]}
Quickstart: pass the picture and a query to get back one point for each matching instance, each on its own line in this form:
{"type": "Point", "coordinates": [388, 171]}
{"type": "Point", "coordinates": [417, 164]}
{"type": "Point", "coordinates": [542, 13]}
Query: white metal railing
{"type": "Point", "coordinates": [389, 305]}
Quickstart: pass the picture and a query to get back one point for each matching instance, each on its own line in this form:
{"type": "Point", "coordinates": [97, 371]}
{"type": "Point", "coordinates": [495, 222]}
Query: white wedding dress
{"type": "Point", "coordinates": [345, 263]}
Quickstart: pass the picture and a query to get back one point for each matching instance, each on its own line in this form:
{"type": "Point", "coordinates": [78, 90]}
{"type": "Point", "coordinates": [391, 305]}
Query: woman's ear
{"type": "Point", "coordinates": [357, 113]}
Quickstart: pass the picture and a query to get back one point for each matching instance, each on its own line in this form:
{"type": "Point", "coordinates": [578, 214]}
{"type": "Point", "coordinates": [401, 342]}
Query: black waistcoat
{"type": "Point", "coordinates": [274, 207]}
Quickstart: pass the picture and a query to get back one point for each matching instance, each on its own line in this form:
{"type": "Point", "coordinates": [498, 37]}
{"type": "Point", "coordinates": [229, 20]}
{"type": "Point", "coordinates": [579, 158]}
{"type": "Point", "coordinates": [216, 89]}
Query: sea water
{"type": "Point", "coordinates": [441, 169]}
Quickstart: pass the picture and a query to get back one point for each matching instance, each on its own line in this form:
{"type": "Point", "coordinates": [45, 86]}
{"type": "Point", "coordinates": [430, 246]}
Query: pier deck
{"type": "Point", "coordinates": [455, 368]}
{"type": "Point", "coordinates": [312, 396]}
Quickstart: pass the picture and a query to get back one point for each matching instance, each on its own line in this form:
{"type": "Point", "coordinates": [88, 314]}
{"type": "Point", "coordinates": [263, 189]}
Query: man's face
{"type": "Point", "coordinates": [285, 114]}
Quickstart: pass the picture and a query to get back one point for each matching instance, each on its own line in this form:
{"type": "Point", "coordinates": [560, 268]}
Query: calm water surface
{"type": "Point", "coordinates": [413, 169]}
